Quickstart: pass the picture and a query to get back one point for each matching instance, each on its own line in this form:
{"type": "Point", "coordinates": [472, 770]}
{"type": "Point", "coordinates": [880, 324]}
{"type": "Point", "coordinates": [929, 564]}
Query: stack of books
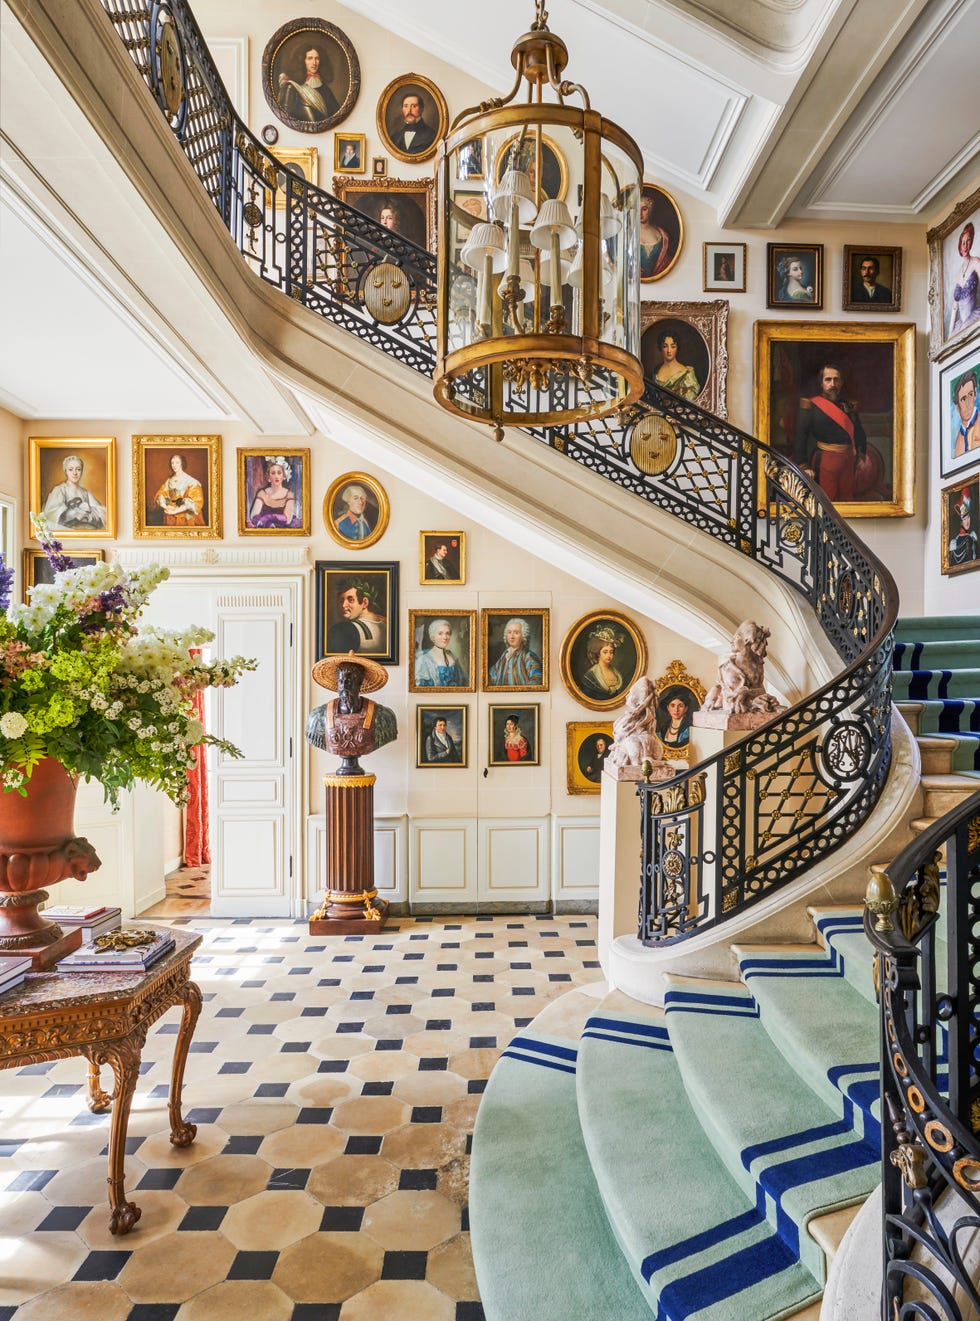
{"type": "Point", "coordinates": [134, 958]}
{"type": "Point", "coordinates": [13, 969]}
{"type": "Point", "coordinates": [90, 921]}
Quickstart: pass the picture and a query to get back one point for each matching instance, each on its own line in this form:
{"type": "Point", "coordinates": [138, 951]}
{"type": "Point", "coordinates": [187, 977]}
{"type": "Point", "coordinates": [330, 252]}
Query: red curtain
{"type": "Point", "coordinates": [197, 844]}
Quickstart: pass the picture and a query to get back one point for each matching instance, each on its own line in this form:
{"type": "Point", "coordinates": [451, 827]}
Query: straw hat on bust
{"type": "Point", "coordinates": [374, 676]}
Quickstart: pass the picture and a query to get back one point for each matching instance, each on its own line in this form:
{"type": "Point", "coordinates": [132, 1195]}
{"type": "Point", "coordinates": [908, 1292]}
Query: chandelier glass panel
{"type": "Point", "coordinates": [539, 283]}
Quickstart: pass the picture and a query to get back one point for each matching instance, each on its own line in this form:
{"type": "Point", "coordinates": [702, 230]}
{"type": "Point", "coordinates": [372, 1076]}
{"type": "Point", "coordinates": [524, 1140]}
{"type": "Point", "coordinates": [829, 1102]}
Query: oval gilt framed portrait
{"type": "Point", "coordinates": [554, 169]}
{"type": "Point", "coordinates": [355, 510]}
{"type": "Point", "coordinates": [310, 75]}
{"type": "Point", "coordinates": [602, 656]}
{"type": "Point", "coordinates": [412, 117]}
{"type": "Point", "coordinates": [661, 232]}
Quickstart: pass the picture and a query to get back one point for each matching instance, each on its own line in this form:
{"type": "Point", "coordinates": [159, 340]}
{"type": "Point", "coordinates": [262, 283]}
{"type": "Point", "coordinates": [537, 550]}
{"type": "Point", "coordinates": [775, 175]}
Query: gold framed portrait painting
{"type": "Point", "coordinates": [960, 514]}
{"type": "Point", "coordinates": [602, 656]}
{"type": "Point", "coordinates": [684, 349]}
{"type": "Point", "coordinates": [442, 559]}
{"type": "Point", "coordinates": [39, 573]}
{"type": "Point", "coordinates": [349, 153]}
{"type": "Point", "coordinates": [443, 646]}
{"type": "Point", "coordinates": [587, 745]}
{"type": "Point", "coordinates": [954, 276]}
{"type": "Point", "coordinates": [514, 650]}
{"type": "Point", "coordinates": [839, 398]}
{"type": "Point", "coordinates": [406, 207]}
{"type": "Point", "coordinates": [298, 161]}
{"type": "Point", "coordinates": [356, 510]}
{"type": "Point", "coordinates": [661, 232]}
{"type": "Point", "coordinates": [515, 735]}
{"type": "Point", "coordinates": [177, 486]}
{"type": "Point", "coordinates": [273, 493]}
{"type": "Point", "coordinates": [441, 741]}
{"type": "Point", "coordinates": [73, 485]}
{"type": "Point", "coordinates": [679, 698]}
{"type": "Point", "coordinates": [311, 76]}
{"type": "Point", "coordinates": [412, 117]}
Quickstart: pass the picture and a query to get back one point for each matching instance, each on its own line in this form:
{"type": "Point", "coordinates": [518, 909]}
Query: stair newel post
{"type": "Point", "coordinates": [676, 857]}
{"type": "Point", "coordinates": [962, 914]}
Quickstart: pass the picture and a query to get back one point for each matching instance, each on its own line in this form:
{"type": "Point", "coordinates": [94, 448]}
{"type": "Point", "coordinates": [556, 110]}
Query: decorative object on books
{"type": "Point", "coordinates": [124, 950]}
{"type": "Point", "coordinates": [85, 692]}
{"type": "Point", "coordinates": [125, 939]}
{"type": "Point", "coordinates": [350, 726]}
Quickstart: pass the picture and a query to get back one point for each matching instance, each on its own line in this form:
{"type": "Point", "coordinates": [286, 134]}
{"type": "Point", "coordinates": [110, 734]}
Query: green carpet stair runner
{"type": "Point", "coordinates": [542, 1245]}
{"type": "Point", "coordinates": [937, 663]}
{"type": "Point", "coordinates": [704, 1140]}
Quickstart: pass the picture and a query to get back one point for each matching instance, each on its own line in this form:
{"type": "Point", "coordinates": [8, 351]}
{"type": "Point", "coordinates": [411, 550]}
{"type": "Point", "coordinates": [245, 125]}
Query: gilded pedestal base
{"type": "Point", "coordinates": [351, 903]}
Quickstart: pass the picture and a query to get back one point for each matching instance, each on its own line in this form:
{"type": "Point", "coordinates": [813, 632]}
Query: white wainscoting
{"type": "Point", "coordinates": [442, 865]}
{"type": "Point", "coordinates": [575, 858]}
{"type": "Point", "coordinates": [390, 859]}
{"type": "Point", "coordinates": [513, 861]}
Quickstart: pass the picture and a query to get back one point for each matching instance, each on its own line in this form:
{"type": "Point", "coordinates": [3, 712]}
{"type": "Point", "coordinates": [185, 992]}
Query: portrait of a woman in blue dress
{"type": "Point", "coordinates": [438, 666]}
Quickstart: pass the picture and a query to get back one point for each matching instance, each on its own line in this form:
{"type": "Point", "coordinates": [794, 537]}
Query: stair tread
{"type": "Point", "coordinates": [842, 931]}
{"type": "Point", "coordinates": [534, 1206]}
{"type": "Point", "coordinates": [711, 1256]}
{"type": "Point", "coordinates": [765, 1123]}
{"type": "Point", "coordinates": [837, 1053]}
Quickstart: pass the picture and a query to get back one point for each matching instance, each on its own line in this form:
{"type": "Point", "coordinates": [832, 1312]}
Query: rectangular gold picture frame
{"type": "Point", "coordinates": [443, 645]}
{"type": "Point", "coordinates": [876, 362]}
{"type": "Point", "coordinates": [514, 650]}
{"type": "Point", "coordinates": [515, 734]}
{"type": "Point", "coordinates": [349, 153]}
{"type": "Point", "coordinates": [412, 203]}
{"type": "Point", "coordinates": [301, 161]}
{"type": "Point", "coordinates": [273, 492]}
{"type": "Point", "coordinates": [73, 485]}
{"type": "Point", "coordinates": [38, 571]}
{"type": "Point", "coordinates": [446, 748]}
{"type": "Point", "coordinates": [587, 745]}
{"type": "Point", "coordinates": [177, 487]}
{"type": "Point", "coordinates": [959, 546]}
{"type": "Point", "coordinates": [442, 559]}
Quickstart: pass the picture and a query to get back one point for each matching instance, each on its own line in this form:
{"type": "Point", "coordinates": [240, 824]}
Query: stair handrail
{"type": "Point", "coordinates": [930, 1068]}
{"type": "Point", "coordinates": [826, 757]}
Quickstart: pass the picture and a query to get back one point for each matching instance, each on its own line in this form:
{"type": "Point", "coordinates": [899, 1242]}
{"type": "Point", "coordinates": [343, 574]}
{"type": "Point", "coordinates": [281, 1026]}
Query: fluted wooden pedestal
{"type": "Point", "coordinates": [351, 902]}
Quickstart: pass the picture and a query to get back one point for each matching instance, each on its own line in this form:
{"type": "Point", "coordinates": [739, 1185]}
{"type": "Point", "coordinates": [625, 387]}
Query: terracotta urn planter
{"type": "Point", "coordinates": [38, 847]}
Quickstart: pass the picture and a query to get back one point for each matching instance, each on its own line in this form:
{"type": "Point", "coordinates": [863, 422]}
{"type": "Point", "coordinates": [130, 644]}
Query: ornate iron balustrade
{"type": "Point", "coordinates": [927, 971]}
{"type": "Point", "coordinates": [793, 791]}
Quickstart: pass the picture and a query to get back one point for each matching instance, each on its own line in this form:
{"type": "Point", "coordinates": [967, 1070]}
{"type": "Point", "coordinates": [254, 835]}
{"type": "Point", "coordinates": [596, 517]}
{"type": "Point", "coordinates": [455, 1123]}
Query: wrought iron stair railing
{"type": "Point", "coordinates": [753, 818]}
{"type": "Point", "coordinates": [927, 970]}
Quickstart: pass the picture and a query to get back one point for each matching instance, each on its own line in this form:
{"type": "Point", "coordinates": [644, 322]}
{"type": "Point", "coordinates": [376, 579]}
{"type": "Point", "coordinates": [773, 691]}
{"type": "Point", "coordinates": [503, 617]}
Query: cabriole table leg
{"type": "Point", "coordinates": [182, 1134]}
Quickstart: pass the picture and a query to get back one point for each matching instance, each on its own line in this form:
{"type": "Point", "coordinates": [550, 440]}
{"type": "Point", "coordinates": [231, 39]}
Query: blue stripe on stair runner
{"type": "Point", "coordinates": [698, 1002]}
{"type": "Point", "coordinates": [826, 965]}
{"type": "Point", "coordinates": [688, 1295]}
{"type": "Point", "coordinates": [900, 650]}
{"type": "Point", "coordinates": [532, 1051]}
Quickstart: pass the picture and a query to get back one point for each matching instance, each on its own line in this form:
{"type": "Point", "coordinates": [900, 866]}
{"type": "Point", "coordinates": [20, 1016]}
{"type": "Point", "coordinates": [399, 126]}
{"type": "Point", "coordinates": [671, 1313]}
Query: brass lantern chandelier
{"type": "Point", "coordinates": [539, 286]}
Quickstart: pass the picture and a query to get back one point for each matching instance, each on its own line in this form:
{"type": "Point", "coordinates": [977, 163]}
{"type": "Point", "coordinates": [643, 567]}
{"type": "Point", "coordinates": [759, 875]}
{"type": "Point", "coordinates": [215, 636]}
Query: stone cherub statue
{"type": "Point", "coordinates": [350, 725]}
{"type": "Point", "coordinates": [635, 740]}
{"type": "Point", "coordinates": [740, 689]}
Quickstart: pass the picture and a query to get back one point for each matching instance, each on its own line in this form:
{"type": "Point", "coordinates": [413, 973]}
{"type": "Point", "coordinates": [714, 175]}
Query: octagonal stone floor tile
{"type": "Point", "coordinates": [301, 1146]}
{"type": "Point", "coordinates": [406, 1299]}
{"type": "Point", "coordinates": [383, 1066]}
{"type": "Point", "coordinates": [441, 1042]}
{"type": "Point", "coordinates": [162, 1211]}
{"type": "Point", "coordinates": [270, 1221]}
{"type": "Point", "coordinates": [370, 1115]}
{"type": "Point", "coordinates": [39, 1259]}
{"type": "Point", "coordinates": [257, 1116]}
{"type": "Point", "coordinates": [223, 1180]}
{"type": "Point", "coordinates": [340, 1046]}
{"type": "Point", "coordinates": [411, 1220]}
{"type": "Point", "coordinates": [79, 1300]}
{"type": "Point", "coordinates": [386, 1026]}
{"type": "Point", "coordinates": [453, 1180]}
{"type": "Point", "coordinates": [477, 1062]}
{"type": "Point", "coordinates": [234, 1299]}
{"type": "Point", "coordinates": [450, 1269]}
{"type": "Point", "coordinates": [84, 1184]}
{"type": "Point", "coordinates": [430, 1087]}
{"type": "Point", "coordinates": [158, 1152]}
{"type": "Point", "coordinates": [353, 1180]}
{"type": "Point", "coordinates": [423, 1146]}
{"type": "Point", "coordinates": [176, 1267]}
{"type": "Point", "coordinates": [323, 1089]}
{"type": "Point", "coordinates": [325, 1268]}
{"type": "Point", "coordinates": [462, 1113]}
{"type": "Point", "coordinates": [58, 1148]}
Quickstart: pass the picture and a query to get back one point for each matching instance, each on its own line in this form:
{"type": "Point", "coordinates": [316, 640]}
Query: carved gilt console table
{"type": "Point", "coordinates": [105, 1016]}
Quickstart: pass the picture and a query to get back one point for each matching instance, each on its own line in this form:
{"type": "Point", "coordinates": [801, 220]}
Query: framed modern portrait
{"type": "Point", "coordinates": [602, 656]}
{"type": "Point", "coordinates": [684, 349]}
{"type": "Point", "coordinates": [441, 737]}
{"type": "Point", "coordinates": [310, 74]}
{"type": "Point", "coordinates": [661, 232]}
{"type": "Point", "coordinates": [73, 484]}
{"type": "Point", "coordinates": [794, 276]}
{"type": "Point", "coordinates": [872, 279]}
{"type": "Point", "coordinates": [349, 153]}
{"type": "Point", "coordinates": [515, 735]}
{"type": "Point", "coordinates": [405, 206]}
{"type": "Point", "coordinates": [724, 267]}
{"type": "Point", "coordinates": [513, 154]}
{"type": "Point", "coordinates": [515, 650]}
{"type": "Point", "coordinates": [443, 650]}
{"type": "Point", "coordinates": [954, 275]}
{"type": "Point", "coordinates": [273, 492]}
{"type": "Point", "coordinates": [587, 745]}
{"type": "Point", "coordinates": [177, 486]}
{"type": "Point", "coordinates": [960, 548]}
{"type": "Point", "coordinates": [39, 573]}
{"type": "Point", "coordinates": [817, 385]}
{"type": "Point", "coordinates": [959, 411]}
{"type": "Point", "coordinates": [679, 697]}
{"type": "Point", "coordinates": [357, 610]}
{"type": "Point", "coordinates": [355, 510]}
{"type": "Point", "coordinates": [412, 117]}
{"type": "Point", "coordinates": [301, 161]}
{"type": "Point", "coordinates": [442, 559]}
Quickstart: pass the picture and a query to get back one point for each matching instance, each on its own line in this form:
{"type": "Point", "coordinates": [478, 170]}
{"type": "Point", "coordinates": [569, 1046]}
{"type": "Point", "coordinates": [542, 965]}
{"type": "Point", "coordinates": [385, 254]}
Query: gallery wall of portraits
{"type": "Point", "coordinates": [497, 660]}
